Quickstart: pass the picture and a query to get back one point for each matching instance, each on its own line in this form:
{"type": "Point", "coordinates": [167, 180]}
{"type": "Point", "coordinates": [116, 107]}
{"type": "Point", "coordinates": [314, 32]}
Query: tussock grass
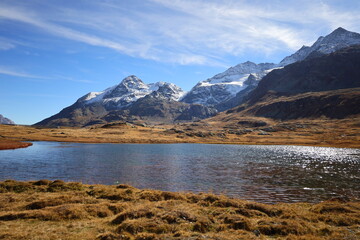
{"type": "Point", "coordinates": [58, 210]}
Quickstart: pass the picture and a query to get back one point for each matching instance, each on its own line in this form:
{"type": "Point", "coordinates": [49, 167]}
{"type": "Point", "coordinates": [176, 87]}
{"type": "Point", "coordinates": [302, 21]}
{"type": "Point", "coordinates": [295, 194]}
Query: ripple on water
{"type": "Point", "coordinates": [262, 173]}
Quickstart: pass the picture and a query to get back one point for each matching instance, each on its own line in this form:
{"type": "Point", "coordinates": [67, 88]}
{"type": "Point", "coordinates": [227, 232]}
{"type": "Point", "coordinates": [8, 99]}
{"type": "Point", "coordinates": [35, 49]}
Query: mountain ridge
{"type": "Point", "coordinates": [131, 100]}
{"type": "Point", "coordinates": [7, 121]}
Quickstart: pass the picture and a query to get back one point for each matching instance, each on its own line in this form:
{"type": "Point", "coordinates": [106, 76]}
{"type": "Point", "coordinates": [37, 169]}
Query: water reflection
{"type": "Point", "coordinates": [261, 173]}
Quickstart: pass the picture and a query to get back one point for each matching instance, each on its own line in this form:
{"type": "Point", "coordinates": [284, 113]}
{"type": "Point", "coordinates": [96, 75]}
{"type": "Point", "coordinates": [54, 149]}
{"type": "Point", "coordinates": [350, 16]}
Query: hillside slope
{"type": "Point", "coordinates": [326, 86]}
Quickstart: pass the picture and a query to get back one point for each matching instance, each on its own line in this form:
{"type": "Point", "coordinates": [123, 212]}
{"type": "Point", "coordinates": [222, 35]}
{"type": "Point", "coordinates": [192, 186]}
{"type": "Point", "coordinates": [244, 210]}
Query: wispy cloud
{"type": "Point", "coordinates": [4, 45]}
{"type": "Point", "coordinates": [39, 95]}
{"type": "Point", "coordinates": [187, 32]}
{"type": "Point", "coordinates": [10, 71]}
{"type": "Point", "coordinates": [16, 73]}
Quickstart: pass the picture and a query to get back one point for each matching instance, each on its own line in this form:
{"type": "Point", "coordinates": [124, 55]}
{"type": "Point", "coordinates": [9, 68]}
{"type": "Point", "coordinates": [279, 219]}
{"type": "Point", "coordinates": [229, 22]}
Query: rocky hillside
{"type": "Point", "coordinates": [324, 86]}
{"type": "Point", "coordinates": [4, 120]}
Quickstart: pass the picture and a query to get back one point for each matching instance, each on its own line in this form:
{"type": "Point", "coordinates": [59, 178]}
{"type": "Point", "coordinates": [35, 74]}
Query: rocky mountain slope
{"type": "Point", "coordinates": [4, 120]}
{"type": "Point", "coordinates": [130, 100]}
{"type": "Point", "coordinates": [228, 89]}
{"type": "Point", "coordinates": [326, 86]}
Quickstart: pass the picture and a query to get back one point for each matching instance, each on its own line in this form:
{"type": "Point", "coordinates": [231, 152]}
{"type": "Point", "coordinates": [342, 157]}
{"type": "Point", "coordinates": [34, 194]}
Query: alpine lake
{"type": "Point", "coordinates": [267, 174]}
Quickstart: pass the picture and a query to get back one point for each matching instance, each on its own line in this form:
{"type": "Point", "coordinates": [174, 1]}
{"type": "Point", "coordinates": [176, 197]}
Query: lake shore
{"type": "Point", "coordinates": [58, 210]}
{"type": "Point", "coordinates": [6, 144]}
{"type": "Point", "coordinates": [322, 133]}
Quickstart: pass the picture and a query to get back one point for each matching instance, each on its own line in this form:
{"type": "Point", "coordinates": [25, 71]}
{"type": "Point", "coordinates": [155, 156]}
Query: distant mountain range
{"type": "Point", "coordinates": [131, 100]}
{"type": "Point", "coordinates": [310, 69]}
{"type": "Point", "coordinates": [4, 120]}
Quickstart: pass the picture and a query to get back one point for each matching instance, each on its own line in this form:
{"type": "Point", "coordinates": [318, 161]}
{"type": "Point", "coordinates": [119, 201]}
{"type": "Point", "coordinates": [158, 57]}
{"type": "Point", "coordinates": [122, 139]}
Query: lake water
{"type": "Point", "coordinates": [261, 173]}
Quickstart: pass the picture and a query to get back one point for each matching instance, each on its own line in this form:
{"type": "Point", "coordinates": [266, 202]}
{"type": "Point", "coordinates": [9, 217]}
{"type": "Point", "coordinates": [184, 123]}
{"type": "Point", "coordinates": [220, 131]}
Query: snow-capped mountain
{"type": "Point", "coordinates": [223, 88]}
{"type": "Point", "coordinates": [131, 100]}
{"type": "Point", "coordinates": [4, 120]}
{"type": "Point", "coordinates": [129, 91]}
{"type": "Point", "coordinates": [338, 39]}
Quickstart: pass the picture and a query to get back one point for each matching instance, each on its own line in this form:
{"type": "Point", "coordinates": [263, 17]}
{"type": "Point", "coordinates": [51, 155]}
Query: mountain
{"type": "Point", "coordinates": [338, 39]}
{"type": "Point", "coordinates": [130, 100]}
{"type": "Point", "coordinates": [226, 85]}
{"type": "Point", "coordinates": [228, 89]}
{"type": "Point", "coordinates": [4, 120]}
{"type": "Point", "coordinates": [328, 86]}
{"type": "Point", "coordinates": [129, 91]}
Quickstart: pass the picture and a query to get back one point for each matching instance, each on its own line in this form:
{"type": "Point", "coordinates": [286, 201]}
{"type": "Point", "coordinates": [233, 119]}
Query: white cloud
{"type": "Point", "coordinates": [189, 32]}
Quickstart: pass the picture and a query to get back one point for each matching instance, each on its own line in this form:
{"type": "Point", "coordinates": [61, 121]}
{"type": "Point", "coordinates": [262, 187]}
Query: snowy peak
{"type": "Point", "coordinates": [169, 91]}
{"type": "Point", "coordinates": [226, 85]}
{"type": "Point", "coordinates": [128, 91]}
{"type": "Point", "coordinates": [336, 40]}
{"type": "Point", "coordinates": [339, 38]}
{"type": "Point", "coordinates": [243, 68]}
{"type": "Point", "coordinates": [132, 82]}
{"type": "Point", "coordinates": [4, 120]}
{"type": "Point", "coordinates": [130, 85]}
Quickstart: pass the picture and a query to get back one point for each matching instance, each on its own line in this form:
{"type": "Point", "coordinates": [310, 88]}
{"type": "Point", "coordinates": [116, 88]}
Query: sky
{"type": "Point", "coordinates": [52, 52]}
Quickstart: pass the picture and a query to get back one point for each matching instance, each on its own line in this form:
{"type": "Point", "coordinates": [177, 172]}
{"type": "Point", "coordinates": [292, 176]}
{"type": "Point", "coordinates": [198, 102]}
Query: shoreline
{"type": "Point", "coordinates": [70, 210]}
{"type": "Point", "coordinates": [11, 144]}
{"type": "Point", "coordinates": [316, 133]}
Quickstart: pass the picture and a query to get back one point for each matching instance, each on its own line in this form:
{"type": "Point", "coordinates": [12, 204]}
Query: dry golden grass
{"type": "Point", "coordinates": [224, 129]}
{"type": "Point", "coordinates": [59, 210]}
{"type": "Point", "coordinates": [10, 144]}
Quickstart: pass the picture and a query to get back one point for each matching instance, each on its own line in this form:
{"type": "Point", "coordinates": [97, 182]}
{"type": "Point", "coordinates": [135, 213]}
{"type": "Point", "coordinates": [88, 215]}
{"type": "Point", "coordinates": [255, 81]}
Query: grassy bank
{"type": "Point", "coordinates": [329, 133]}
{"type": "Point", "coordinates": [57, 210]}
{"type": "Point", "coordinates": [6, 144]}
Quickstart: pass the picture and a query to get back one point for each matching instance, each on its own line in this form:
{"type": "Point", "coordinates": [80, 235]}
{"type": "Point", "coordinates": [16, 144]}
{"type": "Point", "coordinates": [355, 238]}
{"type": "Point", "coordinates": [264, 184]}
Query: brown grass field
{"type": "Point", "coordinates": [58, 210]}
{"type": "Point", "coordinates": [9, 144]}
{"type": "Point", "coordinates": [220, 129]}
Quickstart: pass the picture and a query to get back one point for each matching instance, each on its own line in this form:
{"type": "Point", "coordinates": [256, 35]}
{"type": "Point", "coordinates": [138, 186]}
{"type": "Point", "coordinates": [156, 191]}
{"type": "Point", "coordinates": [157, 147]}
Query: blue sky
{"type": "Point", "coordinates": [54, 51]}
